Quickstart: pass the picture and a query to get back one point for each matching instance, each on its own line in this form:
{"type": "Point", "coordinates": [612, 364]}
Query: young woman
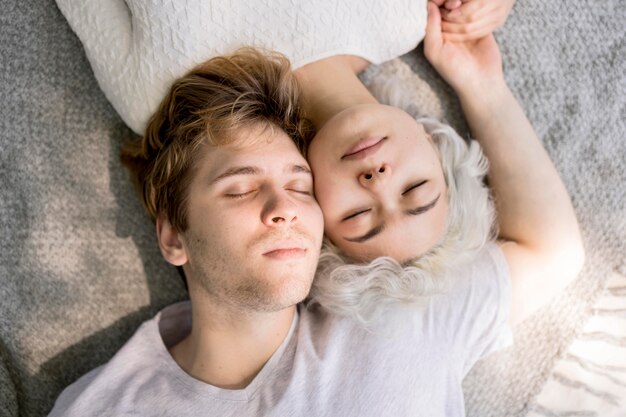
{"type": "Point", "coordinates": [412, 190]}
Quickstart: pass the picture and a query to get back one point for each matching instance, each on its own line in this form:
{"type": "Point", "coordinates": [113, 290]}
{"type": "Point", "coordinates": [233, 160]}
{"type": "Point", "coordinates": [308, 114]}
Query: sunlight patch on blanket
{"type": "Point", "coordinates": [590, 378]}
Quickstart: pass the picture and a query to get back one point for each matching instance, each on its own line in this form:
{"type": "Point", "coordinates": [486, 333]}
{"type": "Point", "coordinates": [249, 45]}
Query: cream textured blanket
{"type": "Point", "coordinates": [79, 267]}
{"type": "Point", "coordinates": [138, 48]}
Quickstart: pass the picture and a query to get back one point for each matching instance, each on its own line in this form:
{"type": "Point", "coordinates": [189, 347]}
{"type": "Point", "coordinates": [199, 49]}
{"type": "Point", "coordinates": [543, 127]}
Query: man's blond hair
{"type": "Point", "coordinates": [208, 106]}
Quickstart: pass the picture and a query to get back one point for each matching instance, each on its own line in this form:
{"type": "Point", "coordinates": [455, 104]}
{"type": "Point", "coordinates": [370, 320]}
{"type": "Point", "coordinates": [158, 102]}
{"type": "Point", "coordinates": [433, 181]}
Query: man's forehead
{"type": "Point", "coordinates": [258, 149]}
{"type": "Point", "coordinates": [250, 136]}
{"type": "Point", "coordinates": [252, 140]}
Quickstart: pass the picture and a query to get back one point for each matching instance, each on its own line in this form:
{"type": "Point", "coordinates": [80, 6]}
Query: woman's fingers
{"type": "Point", "coordinates": [452, 4]}
{"type": "Point", "coordinates": [478, 33]}
{"type": "Point", "coordinates": [473, 25]}
{"type": "Point", "coordinates": [476, 10]}
{"type": "Point", "coordinates": [467, 28]}
{"type": "Point", "coordinates": [470, 11]}
{"type": "Point", "coordinates": [433, 39]}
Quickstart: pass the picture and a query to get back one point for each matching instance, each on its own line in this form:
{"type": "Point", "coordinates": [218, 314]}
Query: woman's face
{"type": "Point", "coordinates": [379, 183]}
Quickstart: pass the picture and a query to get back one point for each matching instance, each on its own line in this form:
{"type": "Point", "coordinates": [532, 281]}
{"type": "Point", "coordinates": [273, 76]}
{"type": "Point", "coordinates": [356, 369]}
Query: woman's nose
{"type": "Point", "coordinates": [375, 176]}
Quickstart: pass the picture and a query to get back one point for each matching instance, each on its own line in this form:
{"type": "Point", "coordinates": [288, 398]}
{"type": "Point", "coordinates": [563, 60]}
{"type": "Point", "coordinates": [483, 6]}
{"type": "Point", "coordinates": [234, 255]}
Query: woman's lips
{"type": "Point", "coordinates": [363, 148]}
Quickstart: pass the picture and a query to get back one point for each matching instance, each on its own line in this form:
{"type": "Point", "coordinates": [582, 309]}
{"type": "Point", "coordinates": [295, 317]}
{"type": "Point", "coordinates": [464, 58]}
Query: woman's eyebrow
{"type": "Point", "coordinates": [419, 210]}
{"type": "Point", "coordinates": [378, 229]}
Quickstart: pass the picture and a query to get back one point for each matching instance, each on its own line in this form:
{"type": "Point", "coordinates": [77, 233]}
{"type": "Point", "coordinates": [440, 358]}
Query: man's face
{"type": "Point", "coordinates": [254, 228]}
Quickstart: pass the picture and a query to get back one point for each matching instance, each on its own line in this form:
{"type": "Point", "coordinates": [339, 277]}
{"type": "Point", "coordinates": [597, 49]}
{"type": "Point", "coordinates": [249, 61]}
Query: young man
{"type": "Point", "coordinates": [232, 200]}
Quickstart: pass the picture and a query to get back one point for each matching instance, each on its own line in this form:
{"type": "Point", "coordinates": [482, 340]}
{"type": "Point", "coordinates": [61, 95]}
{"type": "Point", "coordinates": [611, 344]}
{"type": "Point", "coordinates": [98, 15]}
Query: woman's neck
{"type": "Point", "coordinates": [331, 85]}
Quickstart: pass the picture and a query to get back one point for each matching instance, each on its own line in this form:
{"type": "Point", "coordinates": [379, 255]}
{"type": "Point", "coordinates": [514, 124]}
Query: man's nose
{"type": "Point", "coordinates": [279, 210]}
{"type": "Point", "coordinates": [376, 176]}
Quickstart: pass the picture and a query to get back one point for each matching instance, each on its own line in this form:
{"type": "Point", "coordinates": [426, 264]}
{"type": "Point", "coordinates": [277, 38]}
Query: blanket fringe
{"type": "Point", "coordinates": [567, 380]}
{"type": "Point", "coordinates": [598, 369]}
{"type": "Point", "coordinates": [543, 411]}
{"type": "Point", "coordinates": [616, 291]}
{"type": "Point", "coordinates": [606, 396]}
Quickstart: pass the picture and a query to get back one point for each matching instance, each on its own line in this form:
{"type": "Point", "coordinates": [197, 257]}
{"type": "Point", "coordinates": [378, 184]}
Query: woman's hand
{"type": "Point", "coordinates": [467, 66]}
{"type": "Point", "coordinates": [449, 4]}
{"type": "Point", "coordinates": [465, 20]}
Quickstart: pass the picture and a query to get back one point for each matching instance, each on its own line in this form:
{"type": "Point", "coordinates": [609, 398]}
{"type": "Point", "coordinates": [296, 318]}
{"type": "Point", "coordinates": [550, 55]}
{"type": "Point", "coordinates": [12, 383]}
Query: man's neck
{"type": "Point", "coordinates": [227, 348]}
{"type": "Point", "coordinates": [331, 85]}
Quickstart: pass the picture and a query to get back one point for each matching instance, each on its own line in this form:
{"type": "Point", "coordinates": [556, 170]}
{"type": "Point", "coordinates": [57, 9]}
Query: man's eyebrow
{"type": "Point", "coordinates": [378, 229]}
{"type": "Point", "coordinates": [241, 170]}
{"type": "Point", "coordinates": [297, 169]}
{"type": "Point", "coordinates": [252, 170]}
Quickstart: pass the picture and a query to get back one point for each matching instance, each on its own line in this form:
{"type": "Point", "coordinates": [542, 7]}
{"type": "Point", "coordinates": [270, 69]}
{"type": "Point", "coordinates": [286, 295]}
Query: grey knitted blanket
{"type": "Point", "coordinates": [80, 269]}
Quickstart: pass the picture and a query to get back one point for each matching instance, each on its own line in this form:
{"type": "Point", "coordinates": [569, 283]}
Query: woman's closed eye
{"type": "Point", "coordinates": [356, 214]}
{"type": "Point", "coordinates": [414, 186]}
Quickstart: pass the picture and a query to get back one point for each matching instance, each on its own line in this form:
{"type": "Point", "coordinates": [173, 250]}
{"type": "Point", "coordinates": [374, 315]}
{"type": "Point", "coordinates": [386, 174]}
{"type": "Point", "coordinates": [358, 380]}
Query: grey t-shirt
{"type": "Point", "coordinates": [410, 363]}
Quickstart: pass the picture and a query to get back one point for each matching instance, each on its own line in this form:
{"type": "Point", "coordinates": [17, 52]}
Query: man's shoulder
{"type": "Point", "coordinates": [109, 390]}
{"type": "Point", "coordinates": [77, 400]}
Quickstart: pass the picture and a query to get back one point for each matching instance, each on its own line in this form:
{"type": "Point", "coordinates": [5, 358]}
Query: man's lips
{"type": "Point", "coordinates": [285, 249]}
{"type": "Point", "coordinates": [363, 148]}
{"type": "Point", "coordinates": [286, 253]}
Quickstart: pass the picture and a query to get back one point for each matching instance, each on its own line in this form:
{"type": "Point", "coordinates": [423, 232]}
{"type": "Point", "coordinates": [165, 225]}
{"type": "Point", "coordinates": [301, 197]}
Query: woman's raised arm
{"type": "Point", "coordinates": [537, 225]}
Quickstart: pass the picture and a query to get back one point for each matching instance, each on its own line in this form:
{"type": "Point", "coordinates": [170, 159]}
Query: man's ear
{"type": "Point", "coordinates": [170, 242]}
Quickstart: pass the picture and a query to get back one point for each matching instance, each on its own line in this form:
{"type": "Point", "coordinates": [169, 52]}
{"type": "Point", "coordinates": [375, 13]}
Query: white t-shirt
{"type": "Point", "coordinates": [137, 48]}
{"type": "Point", "coordinates": [411, 363]}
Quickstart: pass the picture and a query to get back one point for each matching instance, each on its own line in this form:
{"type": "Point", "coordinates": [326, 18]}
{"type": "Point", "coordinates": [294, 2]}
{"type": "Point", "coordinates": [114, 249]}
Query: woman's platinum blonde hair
{"type": "Point", "coordinates": [364, 290]}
